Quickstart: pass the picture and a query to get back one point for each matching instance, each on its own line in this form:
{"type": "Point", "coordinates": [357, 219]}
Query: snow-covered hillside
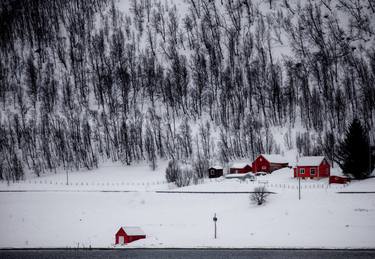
{"type": "Point", "coordinates": [82, 83]}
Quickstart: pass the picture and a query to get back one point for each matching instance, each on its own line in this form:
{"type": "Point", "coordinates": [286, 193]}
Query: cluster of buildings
{"type": "Point", "coordinates": [307, 167]}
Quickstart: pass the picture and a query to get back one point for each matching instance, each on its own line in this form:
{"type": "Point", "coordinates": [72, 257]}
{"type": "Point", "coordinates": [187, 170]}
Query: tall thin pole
{"type": "Point", "coordinates": [67, 178]}
{"type": "Point", "coordinates": [215, 219]}
{"type": "Point", "coordinates": [371, 150]}
{"type": "Point", "coordinates": [299, 188]}
{"type": "Point", "coordinates": [215, 229]}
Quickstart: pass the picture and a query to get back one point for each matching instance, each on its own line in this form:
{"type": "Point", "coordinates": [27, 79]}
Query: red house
{"type": "Point", "coordinates": [269, 163]}
{"type": "Point", "coordinates": [126, 235]}
{"type": "Point", "coordinates": [241, 168]}
{"type": "Point", "coordinates": [312, 167]}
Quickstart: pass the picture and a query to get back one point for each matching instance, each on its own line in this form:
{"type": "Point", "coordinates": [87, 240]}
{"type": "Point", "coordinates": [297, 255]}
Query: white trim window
{"type": "Point", "coordinates": [312, 171]}
{"type": "Point", "coordinates": [302, 171]}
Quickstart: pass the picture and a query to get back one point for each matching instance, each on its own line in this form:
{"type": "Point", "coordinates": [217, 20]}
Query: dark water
{"type": "Point", "coordinates": [188, 253]}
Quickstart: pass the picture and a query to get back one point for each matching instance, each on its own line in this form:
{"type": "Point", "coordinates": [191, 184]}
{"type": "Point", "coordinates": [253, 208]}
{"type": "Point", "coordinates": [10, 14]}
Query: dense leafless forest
{"type": "Point", "coordinates": [85, 81]}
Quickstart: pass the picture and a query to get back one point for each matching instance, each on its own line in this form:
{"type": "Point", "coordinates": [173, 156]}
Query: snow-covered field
{"type": "Point", "coordinates": [109, 176]}
{"type": "Point", "coordinates": [322, 218]}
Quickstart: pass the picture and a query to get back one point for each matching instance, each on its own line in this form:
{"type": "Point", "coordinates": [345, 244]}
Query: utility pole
{"type": "Point", "coordinates": [67, 178]}
{"type": "Point", "coordinates": [215, 219]}
{"type": "Point", "coordinates": [371, 152]}
{"type": "Point", "coordinates": [299, 188]}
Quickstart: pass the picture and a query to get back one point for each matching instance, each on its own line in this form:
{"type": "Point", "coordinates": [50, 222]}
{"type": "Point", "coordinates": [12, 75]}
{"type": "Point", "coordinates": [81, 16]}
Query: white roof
{"type": "Point", "coordinates": [310, 161]}
{"type": "Point", "coordinates": [276, 159]}
{"type": "Point", "coordinates": [217, 167]}
{"type": "Point", "coordinates": [133, 231]}
{"type": "Point", "coordinates": [240, 165]}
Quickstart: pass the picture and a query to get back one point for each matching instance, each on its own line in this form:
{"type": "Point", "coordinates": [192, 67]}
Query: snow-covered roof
{"type": "Point", "coordinates": [240, 165]}
{"type": "Point", "coordinates": [217, 167]}
{"type": "Point", "coordinates": [310, 161]}
{"type": "Point", "coordinates": [247, 175]}
{"type": "Point", "coordinates": [276, 159]}
{"type": "Point", "coordinates": [133, 231]}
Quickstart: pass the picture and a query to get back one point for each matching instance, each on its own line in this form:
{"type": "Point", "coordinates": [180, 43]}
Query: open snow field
{"type": "Point", "coordinates": [109, 176]}
{"type": "Point", "coordinates": [321, 219]}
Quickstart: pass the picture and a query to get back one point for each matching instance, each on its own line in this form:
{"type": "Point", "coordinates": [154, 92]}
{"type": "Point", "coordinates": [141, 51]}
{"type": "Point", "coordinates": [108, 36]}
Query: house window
{"type": "Point", "coordinates": [260, 159]}
{"type": "Point", "coordinates": [312, 171]}
{"type": "Point", "coordinates": [263, 168]}
{"type": "Point", "coordinates": [301, 171]}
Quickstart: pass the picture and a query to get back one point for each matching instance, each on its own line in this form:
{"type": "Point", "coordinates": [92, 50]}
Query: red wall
{"type": "Point", "coordinates": [324, 170]}
{"type": "Point", "coordinates": [244, 170]}
{"type": "Point", "coordinates": [260, 164]}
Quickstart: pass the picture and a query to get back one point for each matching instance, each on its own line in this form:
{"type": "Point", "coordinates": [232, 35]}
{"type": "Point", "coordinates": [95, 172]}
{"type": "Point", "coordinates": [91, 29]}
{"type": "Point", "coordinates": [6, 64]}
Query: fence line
{"type": "Point", "coordinates": [162, 182]}
{"type": "Point", "coordinates": [303, 186]}
{"type": "Point", "coordinates": [88, 183]}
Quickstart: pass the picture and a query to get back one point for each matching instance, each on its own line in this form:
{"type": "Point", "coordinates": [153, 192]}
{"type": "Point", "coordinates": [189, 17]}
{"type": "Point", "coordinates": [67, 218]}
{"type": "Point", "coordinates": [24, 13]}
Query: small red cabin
{"type": "Point", "coordinates": [269, 163]}
{"type": "Point", "coordinates": [338, 179]}
{"type": "Point", "coordinates": [126, 235]}
{"type": "Point", "coordinates": [242, 168]}
{"type": "Point", "coordinates": [312, 167]}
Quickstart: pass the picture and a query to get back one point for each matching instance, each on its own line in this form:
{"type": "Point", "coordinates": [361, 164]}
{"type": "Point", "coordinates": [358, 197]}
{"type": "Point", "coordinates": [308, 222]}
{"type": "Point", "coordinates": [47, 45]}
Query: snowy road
{"type": "Point", "coordinates": [188, 253]}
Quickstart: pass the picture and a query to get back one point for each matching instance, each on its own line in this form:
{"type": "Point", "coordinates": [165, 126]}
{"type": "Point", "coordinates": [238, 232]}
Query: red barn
{"type": "Point", "coordinates": [126, 235]}
{"type": "Point", "coordinates": [312, 167]}
{"type": "Point", "coordinates": [241, 168]}
{"type": "Point", "coordinates": [269, 163]}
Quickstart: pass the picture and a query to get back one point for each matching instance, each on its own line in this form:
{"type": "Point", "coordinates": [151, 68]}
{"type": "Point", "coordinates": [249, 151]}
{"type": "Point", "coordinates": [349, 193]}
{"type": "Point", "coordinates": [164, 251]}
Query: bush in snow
{"type": "Point", "coordinates": [172, 171]}
{"type": "Point", "coordinates": [201, 166]}
{"type": "Point", "coordinates": [259, 196]}
{"type": "Point", "coordinates": [186, 176]}
{"type": "Point", "coordinates": [181, 174]}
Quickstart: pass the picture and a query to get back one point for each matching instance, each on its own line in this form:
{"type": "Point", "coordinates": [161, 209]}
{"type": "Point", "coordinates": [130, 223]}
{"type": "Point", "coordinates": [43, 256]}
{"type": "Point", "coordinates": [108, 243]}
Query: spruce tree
{"type": "Point", "coordinates": [353, 154]}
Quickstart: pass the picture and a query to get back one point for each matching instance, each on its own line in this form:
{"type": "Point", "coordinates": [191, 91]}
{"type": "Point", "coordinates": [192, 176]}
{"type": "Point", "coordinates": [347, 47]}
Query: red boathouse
{"type": "Point", "coordinates": [269, 163]}
{"type": "Point", "coordinates": [126, 235]}
{"type": "Point", "coordinates": [339, 179]}
{"type": "Point", "coordinates": [312, 167]}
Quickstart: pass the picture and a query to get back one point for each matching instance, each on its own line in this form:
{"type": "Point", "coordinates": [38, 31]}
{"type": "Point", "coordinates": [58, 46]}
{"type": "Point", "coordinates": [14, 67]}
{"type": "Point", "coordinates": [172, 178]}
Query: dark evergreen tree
{"type": "Point", "coordinates": [353, 155]}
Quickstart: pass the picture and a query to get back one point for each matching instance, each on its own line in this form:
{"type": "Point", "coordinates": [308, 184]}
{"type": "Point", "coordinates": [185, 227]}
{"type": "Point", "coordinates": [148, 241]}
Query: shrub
{"type": "Point", "coordinates": [185, 176]}
{"type": "Point", "coordinates": [172, 171]}
{"type": "Point", "coordinates": [200, 166]}
{"type": "Point", "coordinates": [259, 196]}
{"type": "Point", "coordinates": [180, 174]}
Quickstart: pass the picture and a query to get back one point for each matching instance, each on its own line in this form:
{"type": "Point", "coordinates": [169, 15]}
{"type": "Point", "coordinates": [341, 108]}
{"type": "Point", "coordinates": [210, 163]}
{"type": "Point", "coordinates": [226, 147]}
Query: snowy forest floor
{"type": "Point", "coordinates": [323, 218]}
